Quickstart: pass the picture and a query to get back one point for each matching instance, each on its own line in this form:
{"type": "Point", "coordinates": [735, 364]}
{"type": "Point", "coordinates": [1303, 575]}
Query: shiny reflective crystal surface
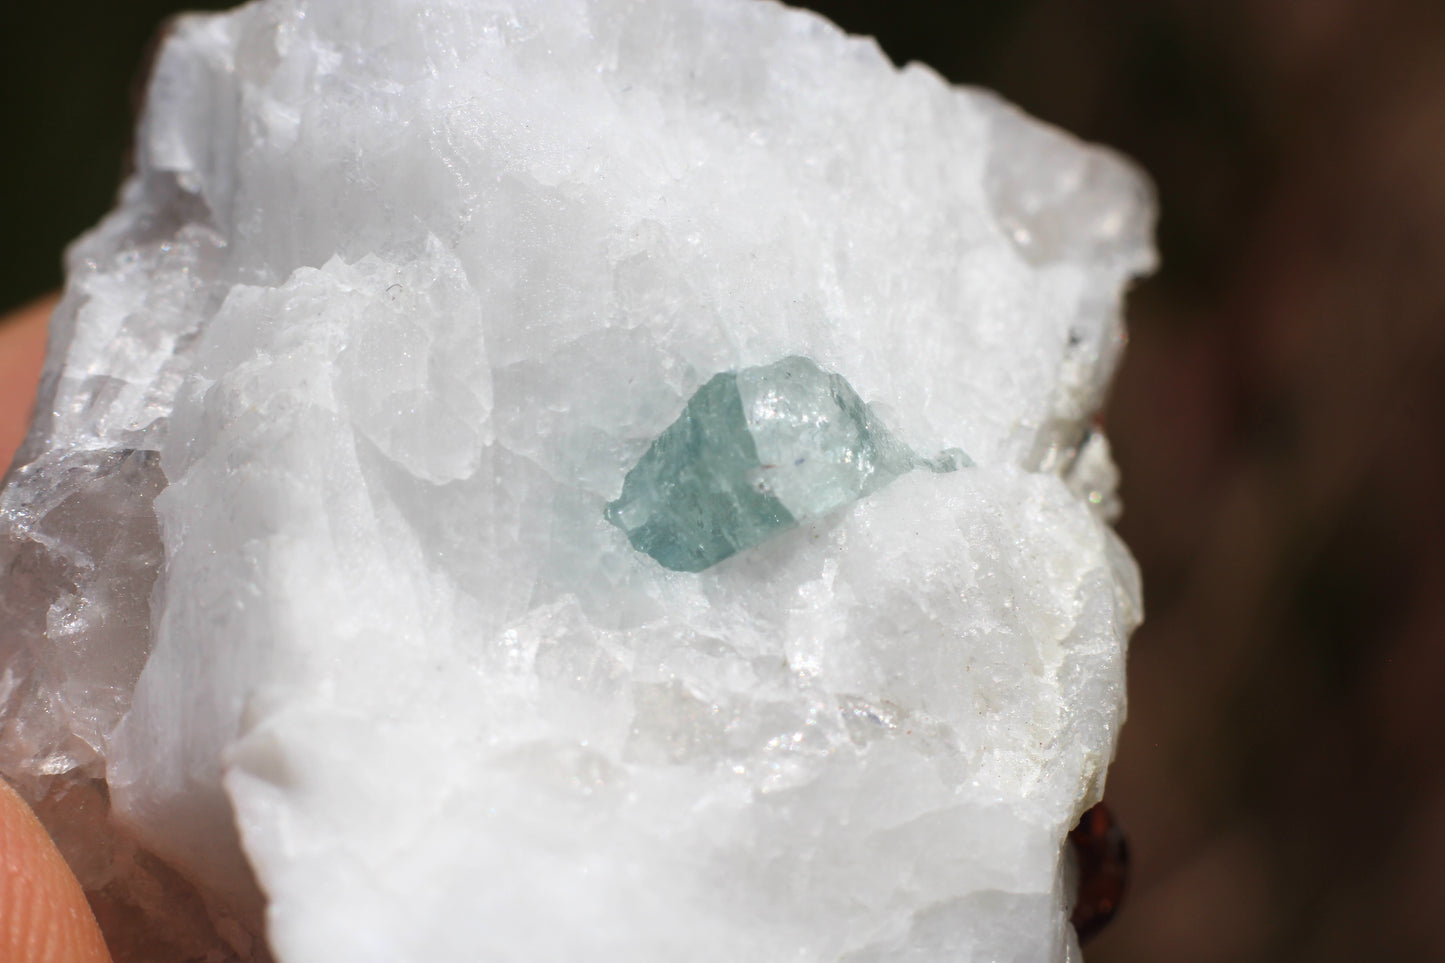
{"type": "Point", "coordinates": [754, 453]}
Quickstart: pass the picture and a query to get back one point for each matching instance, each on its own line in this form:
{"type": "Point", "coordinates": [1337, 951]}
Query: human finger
{"type": "Point", "coordinates": [44, 917]}
{"type": "Point", "coordinates": [22, 350]}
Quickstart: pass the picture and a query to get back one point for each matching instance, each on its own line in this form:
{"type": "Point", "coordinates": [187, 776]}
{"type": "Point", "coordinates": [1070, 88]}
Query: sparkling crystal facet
{"type": "Point", "coordinates": [753, 453]}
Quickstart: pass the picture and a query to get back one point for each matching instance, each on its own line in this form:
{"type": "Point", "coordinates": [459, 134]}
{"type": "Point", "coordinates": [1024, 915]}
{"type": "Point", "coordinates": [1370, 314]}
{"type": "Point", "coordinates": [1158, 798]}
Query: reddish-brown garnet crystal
{"type": "Point", "coordinates": [1102, 852]}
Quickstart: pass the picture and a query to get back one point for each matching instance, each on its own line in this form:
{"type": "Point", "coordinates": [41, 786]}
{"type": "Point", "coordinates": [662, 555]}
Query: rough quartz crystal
{"type": "Point", "coordinates": [308, 589]}
{"type": "Point", "coordinates": [752, 454]}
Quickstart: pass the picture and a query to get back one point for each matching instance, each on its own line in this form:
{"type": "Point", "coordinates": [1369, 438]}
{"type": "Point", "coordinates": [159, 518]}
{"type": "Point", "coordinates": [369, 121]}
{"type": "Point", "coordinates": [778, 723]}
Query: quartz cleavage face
{"type": "Point", "coordinates": [754, 453]}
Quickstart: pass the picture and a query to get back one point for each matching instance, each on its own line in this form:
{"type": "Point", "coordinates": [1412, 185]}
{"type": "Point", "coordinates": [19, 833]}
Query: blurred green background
{"type": "Point", "coordinates": [1277, 419]}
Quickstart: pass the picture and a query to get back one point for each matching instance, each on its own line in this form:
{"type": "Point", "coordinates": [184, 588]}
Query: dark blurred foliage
{"type": "Point", "coordinates": [1277, 418]}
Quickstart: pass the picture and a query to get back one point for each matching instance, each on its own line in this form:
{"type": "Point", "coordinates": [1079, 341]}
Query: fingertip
{"type": "Point", "coordinates": [22, 352]}
{"type": "Point", "coordinates": [44, 916]}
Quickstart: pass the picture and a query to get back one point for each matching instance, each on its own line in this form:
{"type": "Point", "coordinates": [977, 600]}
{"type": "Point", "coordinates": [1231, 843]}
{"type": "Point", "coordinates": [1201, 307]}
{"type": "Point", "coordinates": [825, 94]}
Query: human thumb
{"type": "Point", "coordinates": [44, 917]}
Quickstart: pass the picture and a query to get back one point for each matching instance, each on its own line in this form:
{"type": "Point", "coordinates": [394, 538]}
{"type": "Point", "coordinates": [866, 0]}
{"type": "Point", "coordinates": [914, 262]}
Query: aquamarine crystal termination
{"type": "Point", "coordinates": [754, 453]}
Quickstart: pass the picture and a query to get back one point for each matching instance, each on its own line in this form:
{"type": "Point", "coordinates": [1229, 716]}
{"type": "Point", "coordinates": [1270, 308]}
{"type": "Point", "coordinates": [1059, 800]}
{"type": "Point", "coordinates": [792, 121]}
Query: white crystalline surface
{"type": "Point", "coordinates": [305, 559]}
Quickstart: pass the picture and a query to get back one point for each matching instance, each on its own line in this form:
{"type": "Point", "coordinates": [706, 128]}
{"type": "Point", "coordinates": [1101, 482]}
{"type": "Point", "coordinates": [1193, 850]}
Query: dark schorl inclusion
{"type": "Point", "coordinates": [754, 453]}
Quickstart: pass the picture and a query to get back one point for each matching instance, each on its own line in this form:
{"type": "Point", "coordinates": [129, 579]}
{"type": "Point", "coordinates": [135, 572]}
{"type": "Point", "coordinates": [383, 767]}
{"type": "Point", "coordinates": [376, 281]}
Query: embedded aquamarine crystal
{"type": "Point", "coordinates": [755, 452]}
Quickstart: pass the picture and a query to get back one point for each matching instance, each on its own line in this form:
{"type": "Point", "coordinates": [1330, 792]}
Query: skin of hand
{"type": "Point", "coordinates": [44, 917]}
{"type": "Point", "coordinates": [22, 349]}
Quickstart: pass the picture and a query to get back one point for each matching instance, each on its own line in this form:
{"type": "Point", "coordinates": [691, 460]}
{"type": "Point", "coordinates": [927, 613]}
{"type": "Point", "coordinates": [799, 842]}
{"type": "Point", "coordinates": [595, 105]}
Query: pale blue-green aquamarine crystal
{"type": "Point", "coordinates": [754, 453]}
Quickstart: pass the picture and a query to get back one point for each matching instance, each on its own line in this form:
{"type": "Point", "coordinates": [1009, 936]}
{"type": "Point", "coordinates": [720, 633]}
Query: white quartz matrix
{"type": "Point", "coordinates": [307, 583]}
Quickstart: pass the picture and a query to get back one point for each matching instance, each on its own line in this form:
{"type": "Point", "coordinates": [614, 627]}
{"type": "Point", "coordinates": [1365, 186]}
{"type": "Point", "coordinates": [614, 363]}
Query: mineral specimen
{"type": "Point", "coordinates": [753, 453]}
{"type": "Point", "coordinates": [308, 589]}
